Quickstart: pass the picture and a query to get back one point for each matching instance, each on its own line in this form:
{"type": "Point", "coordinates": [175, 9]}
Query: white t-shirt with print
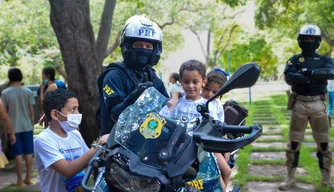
{"type": "Point", "coordinates": [49, 148]}
{"type": "Point", "coordinates": [188, 108]}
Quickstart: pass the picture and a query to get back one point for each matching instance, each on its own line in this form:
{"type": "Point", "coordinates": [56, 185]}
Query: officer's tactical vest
{"type": "Point", "coordinates": [316, 86]}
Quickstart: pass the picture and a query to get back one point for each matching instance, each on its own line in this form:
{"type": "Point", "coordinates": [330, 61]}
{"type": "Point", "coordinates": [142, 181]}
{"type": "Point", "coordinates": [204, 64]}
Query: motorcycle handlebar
{"type": "Point", "coordinates": [85, 179]}
{"type": "Point", "coordinates": [89, 171]}
{"type": "Point", "coordinates": [209, 134]}
{"type": "Point", "coordinates": [224, 128]}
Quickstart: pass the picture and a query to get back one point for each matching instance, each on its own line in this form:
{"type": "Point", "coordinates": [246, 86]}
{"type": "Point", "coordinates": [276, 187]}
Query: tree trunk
{"type": "Point", "coordinates": [105, 30]}
{"type": "Point", "coordinates": [71, 23]}
{"type": "Point", "coordinates": [208, 48]}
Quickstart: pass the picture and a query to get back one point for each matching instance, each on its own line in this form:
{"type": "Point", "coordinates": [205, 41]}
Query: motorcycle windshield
{"type": "Point", "coordinates": [156, 139]}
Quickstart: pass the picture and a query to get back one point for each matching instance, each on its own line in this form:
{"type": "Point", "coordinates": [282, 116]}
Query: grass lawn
{"type": "Point", "coordinates": [276, 104]}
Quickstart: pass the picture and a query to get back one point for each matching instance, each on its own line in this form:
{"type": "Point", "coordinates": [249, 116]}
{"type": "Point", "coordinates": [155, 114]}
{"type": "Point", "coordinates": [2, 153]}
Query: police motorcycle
{"type": "Point", "coordinates": [149, 152]}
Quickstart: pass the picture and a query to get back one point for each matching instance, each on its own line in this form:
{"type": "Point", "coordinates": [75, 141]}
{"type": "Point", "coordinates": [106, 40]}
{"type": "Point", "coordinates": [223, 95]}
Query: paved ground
{"type": "Point", "coordinates": [8, 177]}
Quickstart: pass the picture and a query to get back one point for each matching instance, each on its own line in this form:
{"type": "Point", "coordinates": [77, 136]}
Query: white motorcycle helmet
{"type": "Point", "coordinates": [306, 31]}
{"type": "Point", "coordinates": [140, 28]}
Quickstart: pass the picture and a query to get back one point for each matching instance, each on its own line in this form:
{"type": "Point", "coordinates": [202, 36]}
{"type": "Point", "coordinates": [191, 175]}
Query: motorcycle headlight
{"type": "Point", "coordinates": [123, 180]}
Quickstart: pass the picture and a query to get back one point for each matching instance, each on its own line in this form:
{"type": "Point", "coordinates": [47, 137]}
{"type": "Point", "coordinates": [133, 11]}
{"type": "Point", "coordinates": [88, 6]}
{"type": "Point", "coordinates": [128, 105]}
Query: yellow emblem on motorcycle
{"type": "Point", "coordinates": [196, 183]}
{"type": "Point", "coordinates": [152, 126]}
{"type": "Point", "coordinates": [301, 59]}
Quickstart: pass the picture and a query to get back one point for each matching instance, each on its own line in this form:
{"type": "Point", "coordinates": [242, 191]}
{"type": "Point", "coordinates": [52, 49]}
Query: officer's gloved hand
{"type": "Point", "coordinates": [306, 72]}
{"type": "Point", "coordinates": [141, 88]}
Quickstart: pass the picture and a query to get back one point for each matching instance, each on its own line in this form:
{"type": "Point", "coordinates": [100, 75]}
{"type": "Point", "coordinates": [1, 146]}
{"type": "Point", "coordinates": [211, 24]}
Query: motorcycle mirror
{"type": "Point", "coordinates": [244, 76]}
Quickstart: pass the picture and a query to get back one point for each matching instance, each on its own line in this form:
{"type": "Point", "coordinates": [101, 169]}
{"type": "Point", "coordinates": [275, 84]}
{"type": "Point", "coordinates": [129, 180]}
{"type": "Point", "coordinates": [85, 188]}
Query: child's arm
{"type": "Point", "coordinates": [31, 113]}
{"type": "Point", "coordinates": [7, 123]}
{"type": "Point", "coordinates": [224, 168]}
{"type": "Point", "coordinates": [70, 169]}
{"type": "Point", "coordinates": [51, 87]}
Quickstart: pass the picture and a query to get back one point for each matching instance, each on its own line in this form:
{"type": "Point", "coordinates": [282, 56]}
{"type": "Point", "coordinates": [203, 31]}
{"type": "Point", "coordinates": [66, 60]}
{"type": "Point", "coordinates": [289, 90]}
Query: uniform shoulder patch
{"type": "Point", "coordinates": [301, 59]}
{"type": "Point", "coordinates": [108, 90]}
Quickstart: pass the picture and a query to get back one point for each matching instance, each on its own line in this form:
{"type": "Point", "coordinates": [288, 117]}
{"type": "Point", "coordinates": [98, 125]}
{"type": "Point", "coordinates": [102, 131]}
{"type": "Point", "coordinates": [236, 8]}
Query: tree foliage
{"type": "Point", "coordinates": [234, 3]}
{"type": "Point", "coordinates": [256, 49]}
{"type": "Point", "coordinates": [288, 16]}
{"type": "Point", "coordinates": [217, 20]}
{"type": "Point", "coordinates": [87, 35]}
{"type": "Point", "coordinates": [23, 30]}
{"type": "Point", "coordinates": [26, 38]}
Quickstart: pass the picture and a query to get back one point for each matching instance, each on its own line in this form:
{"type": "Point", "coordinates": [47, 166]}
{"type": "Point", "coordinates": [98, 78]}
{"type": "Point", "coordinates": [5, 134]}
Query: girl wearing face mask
{"type": "Point", "coordinates": [60, 151]}
{"type": "Point", "coordinates": [48, 84]}
{"type": "Point", "coordinates": [48, 76]}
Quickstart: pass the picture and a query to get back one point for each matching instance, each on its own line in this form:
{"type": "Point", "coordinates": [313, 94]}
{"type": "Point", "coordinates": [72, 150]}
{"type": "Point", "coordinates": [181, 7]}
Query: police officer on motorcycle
{"type": "Point", "coordinates": [122, 83]}
{"type": "Point", "coordinates": [307, 74]}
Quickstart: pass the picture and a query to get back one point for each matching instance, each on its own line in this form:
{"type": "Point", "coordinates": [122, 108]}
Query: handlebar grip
{"type": "Point", "coordinates": [89, 171]}
{"type": "Point", "coordinates": [209, 135]}
{"type": "Point", "coordinates": [235, 128]}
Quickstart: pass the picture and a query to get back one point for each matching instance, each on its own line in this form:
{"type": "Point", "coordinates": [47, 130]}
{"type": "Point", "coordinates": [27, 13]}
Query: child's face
{"type": "Point", "coordinates": [71, 107]}
{"type": "Point", "coordinates": [210, 89]}
{"type": "Point", "coordinates": [192, 82]}
{"type": "Point", "coordinates": [171, 79]}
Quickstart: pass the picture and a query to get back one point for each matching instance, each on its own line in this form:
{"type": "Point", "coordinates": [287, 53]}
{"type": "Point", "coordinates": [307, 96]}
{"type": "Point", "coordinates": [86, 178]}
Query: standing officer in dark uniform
{"type": "Point", "coordinates": [122, 83]}
{"type": "Point", "coordinates": [307, 73]}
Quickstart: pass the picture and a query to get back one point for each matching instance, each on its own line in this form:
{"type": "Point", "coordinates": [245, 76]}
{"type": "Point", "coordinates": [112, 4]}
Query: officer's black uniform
{"type": "Point", "coordinates": [307, 74]}
{"type": "Point", "coordinates": [304, 84]}
{"type": "Point", "coordinates": [117, 85]}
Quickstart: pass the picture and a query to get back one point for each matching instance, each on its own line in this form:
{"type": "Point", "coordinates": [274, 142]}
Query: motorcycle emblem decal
{"type": "Point", "coordinates": [301, 59]}
{"type": "Point", "coordinates": [152, 126]}
{"type": "Point", "coordinates": [196, 183]}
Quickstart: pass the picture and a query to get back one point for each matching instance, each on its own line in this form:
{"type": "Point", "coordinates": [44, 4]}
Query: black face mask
{"type": "Point", "coordinates": [142, 57]}
{"type": "Point", "coordinates": [138, 58]}
{"type": "Point", "coordinates": [308, 46]}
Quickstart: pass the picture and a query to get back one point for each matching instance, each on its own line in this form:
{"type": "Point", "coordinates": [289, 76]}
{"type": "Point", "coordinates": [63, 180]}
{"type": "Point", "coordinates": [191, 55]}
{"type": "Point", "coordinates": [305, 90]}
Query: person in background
{"type": "Point", "coordinates": [18, 102]}
{"type": "Point", "coordinates": [330, 90]}
{"type": "Point", "coordinates": [9, 130]}
{"type": "Point", "coordinates": [176, 90]}
{"type": "Point", "coordinates": [3, 133]}
{"type": "Point", "coordinates": [49, 83]}
{"type": "Point", "coordinates": [307, 74]}
{"type": "Point", "coordinates": [59, 68]}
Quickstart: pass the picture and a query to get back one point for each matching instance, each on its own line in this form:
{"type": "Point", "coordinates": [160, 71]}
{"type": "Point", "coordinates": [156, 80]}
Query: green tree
{"type": "Point", "coordinates": [256, 49]}
{"type": "Point", "coordinates": [28, 41]}
{"type": "Point", "coordinates": [216, 19]}
{"type": "Point", "coordinates": [26, 38]}
{"type": "Point", "coordinates": [83, 53]}
{"type": "Point", "coordinates": [288, 16]}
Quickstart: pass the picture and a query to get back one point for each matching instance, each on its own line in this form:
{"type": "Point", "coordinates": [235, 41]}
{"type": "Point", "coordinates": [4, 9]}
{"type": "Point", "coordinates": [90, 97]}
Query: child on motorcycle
{"type": "Point", "coordinates": [60, 151]}
{"type": "Point", "coordinates": [193, 79]}
{"type": "Point", "coordinates": [215, 81]}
